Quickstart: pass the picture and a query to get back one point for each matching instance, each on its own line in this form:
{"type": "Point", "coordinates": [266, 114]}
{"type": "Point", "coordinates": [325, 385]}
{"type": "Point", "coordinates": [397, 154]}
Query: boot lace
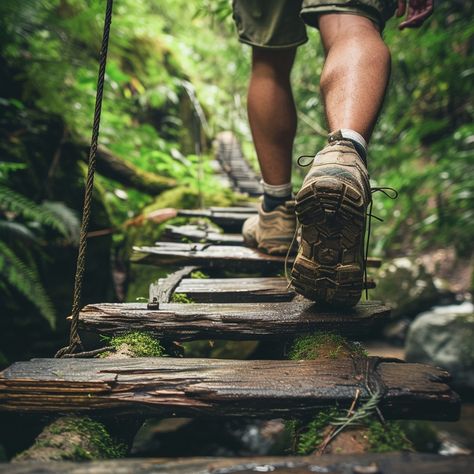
{"type": "Point", "coordinates": [388, 191]}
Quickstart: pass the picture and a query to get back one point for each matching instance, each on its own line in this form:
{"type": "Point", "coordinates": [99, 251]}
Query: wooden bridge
{"type": "Point", "coordinates": [229, 306]}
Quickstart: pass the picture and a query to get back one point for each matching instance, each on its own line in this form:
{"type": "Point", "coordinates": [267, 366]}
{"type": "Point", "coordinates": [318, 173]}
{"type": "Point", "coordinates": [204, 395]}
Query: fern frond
{"type": "Point", "coordinates": [67, 216]}
{"type": "Point", "coordinates": [12, 201]}
{"type": "Point", "coordinates": [15, 230]}
{"type": "Point", "coordinates": [25, 279]}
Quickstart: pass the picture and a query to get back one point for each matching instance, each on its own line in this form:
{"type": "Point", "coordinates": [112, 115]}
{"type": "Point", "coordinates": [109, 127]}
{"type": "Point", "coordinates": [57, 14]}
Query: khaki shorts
{"type": "Point", "coordinates": [282, 23]}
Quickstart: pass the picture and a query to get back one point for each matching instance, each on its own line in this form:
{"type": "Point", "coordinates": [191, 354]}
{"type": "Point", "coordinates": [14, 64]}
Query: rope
{"type": "Point", "coordinates": [74, 339]}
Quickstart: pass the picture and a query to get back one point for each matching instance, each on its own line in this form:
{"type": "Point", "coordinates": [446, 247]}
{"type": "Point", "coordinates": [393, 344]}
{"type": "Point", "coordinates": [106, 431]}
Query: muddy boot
{"type": "Point", "coordinates": [331, 208]}
{"type": "Point", "coordinates": [272, 232]}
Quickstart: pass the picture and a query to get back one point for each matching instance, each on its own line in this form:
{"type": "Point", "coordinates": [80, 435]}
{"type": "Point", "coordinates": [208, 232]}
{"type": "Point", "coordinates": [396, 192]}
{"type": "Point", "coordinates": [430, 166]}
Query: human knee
{"type": "Point", "coordinates": [356, 45]}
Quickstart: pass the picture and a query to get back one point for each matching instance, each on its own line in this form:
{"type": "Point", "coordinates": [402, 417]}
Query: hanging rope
{"type": "Point", "coordinates": [74, 339]}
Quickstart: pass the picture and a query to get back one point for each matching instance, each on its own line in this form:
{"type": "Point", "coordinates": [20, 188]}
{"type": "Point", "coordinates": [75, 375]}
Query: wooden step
{"type": "Point", "coordinates": [242, 321]}
{"type": "Point", "coordinates": [236, 258]}
{"type": "Point", "coordinates": [212, 387]}
{"type": "Point", "coordinates": [235, 290]}
{"type": "Point", "coordinates": [375, 463]}
{"type": "Point", "coordinates": [229, 220]}
{"type": "Point", "coordinates": [202, 234]}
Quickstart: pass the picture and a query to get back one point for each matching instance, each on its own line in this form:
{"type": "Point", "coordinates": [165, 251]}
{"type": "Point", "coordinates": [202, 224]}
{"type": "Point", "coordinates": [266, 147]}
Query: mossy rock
{"type": "Point", "coordinates": [73, 438]}
{"type": "Point", "coordinates": [370, 435]}
{"type": "Point", "coordinates": [325, 346]}
{"type": "Point", "coordinates": [134, 344]}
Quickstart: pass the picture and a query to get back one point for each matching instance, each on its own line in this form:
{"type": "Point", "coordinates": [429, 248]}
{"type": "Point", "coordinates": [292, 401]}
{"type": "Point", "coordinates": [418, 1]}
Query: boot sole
{"type": "Point", "coordinates": [329, 267]}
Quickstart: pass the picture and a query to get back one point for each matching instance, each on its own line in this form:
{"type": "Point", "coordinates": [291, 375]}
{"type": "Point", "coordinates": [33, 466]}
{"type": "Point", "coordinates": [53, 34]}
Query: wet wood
{"type": "Point", "coordinates": [241, 321]}
{"type": "Point", "coordinates": [202, 234]}
{"type": "Point", "coordinates": [162, 291]}
{"type": "Point", "coordinates": [236, 290]}
{"type": "Point", "coordinates": [217, 387]}
{"type": "Point", "coordinates": [230, 221]}
{"type": "Point", "coordinates": [385, 463]}
{"type": "Point", "coordinates": [228, 257]}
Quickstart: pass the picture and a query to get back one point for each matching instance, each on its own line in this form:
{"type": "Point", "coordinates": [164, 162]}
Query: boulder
{"type": "Point", "coordinates": [406, 286]}
{"type": "Point", "coordinates": [445, 337]}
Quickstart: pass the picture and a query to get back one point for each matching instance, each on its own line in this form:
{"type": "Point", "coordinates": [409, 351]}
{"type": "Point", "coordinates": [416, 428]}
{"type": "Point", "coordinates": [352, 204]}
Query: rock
{"type": "Point", "coordinates": [405, 285]}
{"type": "Point", "coordinates": [445, 337]}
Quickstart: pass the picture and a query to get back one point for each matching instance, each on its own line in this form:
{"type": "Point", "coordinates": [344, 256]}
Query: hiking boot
{"type": "Point", "coordinates": [331, 208]}
{"type": "Point", "coordinates": [272, 232]}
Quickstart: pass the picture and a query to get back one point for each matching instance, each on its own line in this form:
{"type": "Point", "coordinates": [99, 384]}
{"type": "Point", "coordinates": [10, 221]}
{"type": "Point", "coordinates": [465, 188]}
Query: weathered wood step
{"type": "Point", "coordinates": [380, 463]}
{"type": "Point", "coordinates": [242, 321]}
{"type": "Point", "coordinates": [238, 258]}
{"type": "Point", "coordinates": [200, 233]}
{"type": "Point", "coordinates": [235, 290]}
{"type": "Point", "coordinates": [263, 388]}
{"type": "Point", "coordinates": [229, 220]}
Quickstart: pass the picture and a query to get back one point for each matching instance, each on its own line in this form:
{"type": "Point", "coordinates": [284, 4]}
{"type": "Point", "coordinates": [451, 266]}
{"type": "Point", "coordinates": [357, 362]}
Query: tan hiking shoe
{"type": "Point", "coordinates": [272, 232]}
{"type": "Point", "coordinates": [331, 208]}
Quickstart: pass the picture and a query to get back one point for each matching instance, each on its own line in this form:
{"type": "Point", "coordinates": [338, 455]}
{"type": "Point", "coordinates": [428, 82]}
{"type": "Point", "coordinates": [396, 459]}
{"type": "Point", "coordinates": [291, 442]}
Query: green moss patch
{"type": "Point", "coordinates": [74, 438]}
{"type": "Point", "coordinates": [387, 437]}
{"type": "Point", "coordinates": [181, 298]}
{"type": "Point", "coordinates": [137, 343]}
{"type": "Point", "coordinates": [325, 346]}
{"type": "Point", "coordinates": [198, 275]}
{"type": "Point", "coordinates": [381, 438]}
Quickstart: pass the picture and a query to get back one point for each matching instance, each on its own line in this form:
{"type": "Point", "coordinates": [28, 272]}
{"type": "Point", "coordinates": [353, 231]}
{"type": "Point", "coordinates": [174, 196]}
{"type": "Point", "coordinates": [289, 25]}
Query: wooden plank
{"type": "Point", "coordinates": [236, 290]}
{"type": "Point", "coordinates": [162, 291]}
{"type": "Point", "coordinates": [380, 463]}
{"type": "Point", "coordinates": [242, 321]}
{"type": "Point", "coordinates": [211, 387]}
{"type": "Point", "coordinates": [229, 221]}
{"type": "Point", "coordinates": [238, 258]}
{"type": "Point", "coordinates": [199, 233]}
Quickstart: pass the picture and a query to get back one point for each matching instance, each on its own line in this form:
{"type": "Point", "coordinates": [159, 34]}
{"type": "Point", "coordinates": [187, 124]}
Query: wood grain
{"type": "Point", "coordinates": [214, 387]}
{"type": "Point", "coordinates": [242, 321]}
{"type": "Point", "coordinates": [237, 258]}
{"type": "Point", "coordinates": [385, 463]}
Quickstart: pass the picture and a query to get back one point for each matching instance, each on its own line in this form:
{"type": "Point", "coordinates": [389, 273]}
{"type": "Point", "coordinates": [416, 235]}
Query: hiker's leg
{"type": "Point", "coordinates": [355, 74]}
{"type": "Point", "coordinates": [272, 113]}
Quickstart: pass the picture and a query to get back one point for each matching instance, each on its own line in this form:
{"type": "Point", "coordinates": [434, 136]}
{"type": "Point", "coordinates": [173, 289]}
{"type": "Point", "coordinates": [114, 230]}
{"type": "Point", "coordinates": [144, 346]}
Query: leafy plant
{"type": "Point", "coordinates": [22, 223]}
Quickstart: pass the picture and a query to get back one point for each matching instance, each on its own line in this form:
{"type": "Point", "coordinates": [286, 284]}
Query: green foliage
{"type": "Point", "coordinates": [197, 274]}
{"type": "Point", "coordinates": [23, 224]}
{"type": "Point", "coordinates": [387, 437]}
{"type": "Point", "coordinates": [324, 345]}
{"type": "Point", "coordinates": [138, 343]}
{"type": "Point", "coordinates": [96, 442]}
{"type": "Point", "coordinates": [50, 214]}
{"type": "Point", "coordinates": [181, 298]}
{"type": "Point", "coordinates": [308, 436]}
{"type": "Point", "coordinates": [25, 279]}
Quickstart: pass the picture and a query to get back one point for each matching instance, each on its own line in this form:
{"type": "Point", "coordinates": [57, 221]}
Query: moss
{"type": "Point", "coordinates": [325, 346]}
{"type": "Point", "coordinates": [74, 439]}
{"type": "Point", "coordinates": [308, 436]}
{"type": "Point", "coordinates": [198, 275]}
{"type": "Point", "coordinates": [139, 344]}
{"type": "Point", "coordinates": [387, 437]}
{"type": "Point", "coordinates": [181, 298]}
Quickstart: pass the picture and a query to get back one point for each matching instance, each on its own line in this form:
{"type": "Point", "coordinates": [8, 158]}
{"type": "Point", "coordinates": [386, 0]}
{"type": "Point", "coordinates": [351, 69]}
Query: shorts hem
{"type": "Point", "coordinates": [310, 14]}
{"type": "Point", "coordinates": [271, 46]}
